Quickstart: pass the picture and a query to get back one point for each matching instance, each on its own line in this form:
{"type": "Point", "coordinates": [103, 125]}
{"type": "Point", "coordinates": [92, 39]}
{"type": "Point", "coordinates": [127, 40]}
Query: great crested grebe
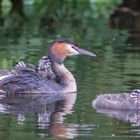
{"type": "Point", "coordinates": [121, 101]}
{"type": "Point", "coordinates": [29, 81]}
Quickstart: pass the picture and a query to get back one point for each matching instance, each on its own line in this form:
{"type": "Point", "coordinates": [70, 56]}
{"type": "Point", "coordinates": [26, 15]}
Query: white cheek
{"type": "Point", "coordinates": [71, 50]}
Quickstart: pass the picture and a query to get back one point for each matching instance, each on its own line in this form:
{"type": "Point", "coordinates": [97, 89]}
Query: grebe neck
{"type": "Point", "coordinates": [64, 76]}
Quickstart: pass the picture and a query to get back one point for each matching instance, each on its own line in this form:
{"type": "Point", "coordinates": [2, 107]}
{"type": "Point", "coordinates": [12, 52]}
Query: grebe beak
{"type": "Point", "coordinates": [85, 52]}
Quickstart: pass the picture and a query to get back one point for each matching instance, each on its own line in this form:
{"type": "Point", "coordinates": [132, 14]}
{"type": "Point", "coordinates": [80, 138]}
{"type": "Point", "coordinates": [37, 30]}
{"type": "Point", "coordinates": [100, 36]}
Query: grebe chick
{"type": "Point", "coordinates": [30, 81]}
{"type": "Point", "coordinates": [122, 101]}
{"type": "Point", "coordinates": [43, 68]}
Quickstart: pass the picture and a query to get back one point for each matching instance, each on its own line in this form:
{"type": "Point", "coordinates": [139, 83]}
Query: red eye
{"type": "Point", "coordinates": [75, 47]}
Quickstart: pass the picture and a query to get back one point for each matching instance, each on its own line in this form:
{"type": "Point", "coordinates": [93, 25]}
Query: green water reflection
{"type": "Point", "coordinates": [116, 67]}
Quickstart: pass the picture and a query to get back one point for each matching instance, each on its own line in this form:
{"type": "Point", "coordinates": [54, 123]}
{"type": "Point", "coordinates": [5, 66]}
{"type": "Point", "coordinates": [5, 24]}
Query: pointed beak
{"type": "Point", "coordinates": [85, 52]}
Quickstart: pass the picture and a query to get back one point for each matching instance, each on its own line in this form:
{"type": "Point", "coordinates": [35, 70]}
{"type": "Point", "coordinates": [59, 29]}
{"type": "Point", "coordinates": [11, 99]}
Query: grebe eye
{"type": "Point", "coordinates": [74, 47]}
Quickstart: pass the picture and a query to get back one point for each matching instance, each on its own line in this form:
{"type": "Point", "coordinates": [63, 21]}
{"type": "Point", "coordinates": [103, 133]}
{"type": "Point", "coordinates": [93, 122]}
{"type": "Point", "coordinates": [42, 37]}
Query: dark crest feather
{"type": "Point", "coordinates": [61, 40]}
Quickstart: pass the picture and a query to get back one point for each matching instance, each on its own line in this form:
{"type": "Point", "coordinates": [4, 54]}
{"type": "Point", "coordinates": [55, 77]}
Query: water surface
{"type": "Point", "coordinates": [115, 69]}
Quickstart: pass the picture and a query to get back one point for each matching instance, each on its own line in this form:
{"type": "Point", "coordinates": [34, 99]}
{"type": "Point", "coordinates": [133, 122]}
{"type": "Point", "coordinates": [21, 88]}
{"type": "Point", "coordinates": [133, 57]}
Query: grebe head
{"type": "Point", "coordinates": [60, 49]}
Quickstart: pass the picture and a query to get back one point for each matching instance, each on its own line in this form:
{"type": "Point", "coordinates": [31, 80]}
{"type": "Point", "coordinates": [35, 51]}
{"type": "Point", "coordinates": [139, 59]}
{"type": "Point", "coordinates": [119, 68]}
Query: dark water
{"type": "Point", "coordinates": [115, 69]}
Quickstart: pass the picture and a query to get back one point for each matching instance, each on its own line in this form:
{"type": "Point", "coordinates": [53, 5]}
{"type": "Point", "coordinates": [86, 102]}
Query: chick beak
{"type": "Point", "coordinates": [85, 52]}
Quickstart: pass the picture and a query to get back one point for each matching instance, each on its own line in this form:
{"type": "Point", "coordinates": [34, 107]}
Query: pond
{"type": "Point", "coordinates": [115, 69]}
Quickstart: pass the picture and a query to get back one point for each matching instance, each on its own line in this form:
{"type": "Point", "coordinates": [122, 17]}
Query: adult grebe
{"type": "Point", "coordinates": [30, 81]}
{"type": "Point", "coordinates": [121, 101]}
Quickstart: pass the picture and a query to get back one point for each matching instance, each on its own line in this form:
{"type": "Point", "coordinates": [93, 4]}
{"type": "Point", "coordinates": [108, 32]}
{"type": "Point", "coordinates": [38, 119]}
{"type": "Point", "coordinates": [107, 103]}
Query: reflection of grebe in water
{"type": "Point", "coordinates": [48, 111]}
{"type": "Point", "coordinates": [122, 101]}
{"type": "Point", "coordinates": [29, 81]}
{"type": "Point", "coordinates": [130, 116]}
